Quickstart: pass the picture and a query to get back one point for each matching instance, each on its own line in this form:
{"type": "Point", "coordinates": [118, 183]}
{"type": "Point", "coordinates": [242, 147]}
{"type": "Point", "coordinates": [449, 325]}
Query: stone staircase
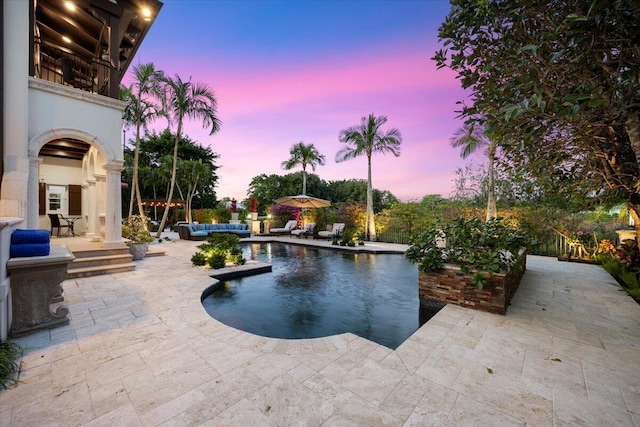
{"type": "Point", "coordinates": [97, 261]}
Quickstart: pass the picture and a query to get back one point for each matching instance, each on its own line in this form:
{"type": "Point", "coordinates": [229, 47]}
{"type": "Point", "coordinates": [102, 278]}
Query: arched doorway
{"type": "Point", "coordinates": [75, 174]}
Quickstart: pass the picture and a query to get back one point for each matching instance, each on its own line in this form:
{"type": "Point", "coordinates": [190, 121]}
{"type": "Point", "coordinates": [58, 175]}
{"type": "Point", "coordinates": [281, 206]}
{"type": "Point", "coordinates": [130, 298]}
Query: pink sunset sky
{"type": "Point", "coordinates": [292, 71]}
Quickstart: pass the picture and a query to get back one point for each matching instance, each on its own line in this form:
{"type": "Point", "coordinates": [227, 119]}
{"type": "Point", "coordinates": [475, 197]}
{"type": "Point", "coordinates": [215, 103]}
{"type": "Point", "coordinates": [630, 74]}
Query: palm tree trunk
{"type": "Point", "coordinates": [492, 211]}
{"type": "Point", "coordinates": [371, 221]}
{"type": "Point", "coordinates": [304, 181]}
{"type": "Point", "coordinates": [174, 170]}
{"type": "Point", "coordinates": [135, 187]}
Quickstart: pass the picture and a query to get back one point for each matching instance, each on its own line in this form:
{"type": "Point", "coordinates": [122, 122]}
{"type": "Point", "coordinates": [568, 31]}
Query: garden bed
{"type": "Point", "coordinates": [450, 285]}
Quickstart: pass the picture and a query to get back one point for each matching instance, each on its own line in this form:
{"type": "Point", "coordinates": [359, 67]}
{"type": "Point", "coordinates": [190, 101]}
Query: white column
{"type": "Point", "coordinates": [15, 26]}
{"type": "Point", "coordinates": [92, 215]}
{"type": "Point", "coordinates": [84, 208]}
{"type": "Point", "coordinates": [100, 205]}
{"type": "Point", "coordinates": [113, 217]}
{"type": "Point", "coordinates": [33, 202]}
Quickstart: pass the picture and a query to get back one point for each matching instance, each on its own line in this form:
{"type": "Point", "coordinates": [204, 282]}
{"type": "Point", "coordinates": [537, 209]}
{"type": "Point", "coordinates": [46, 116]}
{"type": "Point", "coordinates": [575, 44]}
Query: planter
{"type": "Point", "coordinates": [450, 285]}
{"type": "Point", "coordinates": [234, 216]}
{"type": "Point", "coordinates": [138, 250]}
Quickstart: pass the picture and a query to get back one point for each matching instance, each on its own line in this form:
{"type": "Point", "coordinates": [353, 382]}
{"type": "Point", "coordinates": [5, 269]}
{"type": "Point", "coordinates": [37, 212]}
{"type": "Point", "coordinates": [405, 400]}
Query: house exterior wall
{"type": "Point", "coordinates": [36, 112]}
{"type": "Point", "coordinates": [13, 197]}
{"type": "Point", "coordinates": [54, 106]}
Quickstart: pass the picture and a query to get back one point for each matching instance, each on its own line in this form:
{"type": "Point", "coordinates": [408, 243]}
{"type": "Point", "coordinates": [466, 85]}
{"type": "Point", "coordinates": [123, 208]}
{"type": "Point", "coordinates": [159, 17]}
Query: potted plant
{"type": "Point", "coordinates": [470, 263]}
{"type": "Point", "coordinates": [253, 208]}
{"type": "Point", "coordinates": [234, 210]}
{"type": "Point", "coordinates": [134, 228]}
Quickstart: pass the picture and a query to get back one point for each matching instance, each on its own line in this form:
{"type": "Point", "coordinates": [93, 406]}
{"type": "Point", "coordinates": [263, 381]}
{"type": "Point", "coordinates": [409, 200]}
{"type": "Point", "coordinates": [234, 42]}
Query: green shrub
{"type": "Point", "coordinates": [624, 266]}
{"type": "Point", "coordinates": [135, 229]}
{"type": "Point", "coordinates": [198, 259]}
{"type": "Point", "coordinates": [10, 352]}
{"type": "Point", "coordinates": [472, 244]}
{"type": "Point", "coordinates": [220, 249]}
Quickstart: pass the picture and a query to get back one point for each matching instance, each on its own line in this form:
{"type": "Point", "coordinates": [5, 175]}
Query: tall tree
{"type": "Point", "coordinates": [141, 108]}
{"type": "Point", "coordinates": [367, 139]}
{"type": "Point", "coordinates": [186, 100]}
{"type": "Point", "coordinates": [558, 84]}
{"type": "Point", "coordinates": [304, 155]}
{"type": "Point", "coordinates": [471, 138]}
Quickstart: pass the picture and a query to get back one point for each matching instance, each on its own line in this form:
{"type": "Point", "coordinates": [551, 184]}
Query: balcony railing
{"type": "Point", "coordinates": [59, 66]}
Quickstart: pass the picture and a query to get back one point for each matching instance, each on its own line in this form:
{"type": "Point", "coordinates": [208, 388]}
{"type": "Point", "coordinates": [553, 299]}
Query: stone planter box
{"type": "Point", "coordinates": [450, 285]}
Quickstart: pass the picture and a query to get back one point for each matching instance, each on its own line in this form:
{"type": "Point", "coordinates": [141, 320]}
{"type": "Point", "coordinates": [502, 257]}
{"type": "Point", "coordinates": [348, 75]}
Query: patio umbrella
{"type": "Point", "coordinates": [303, 201]}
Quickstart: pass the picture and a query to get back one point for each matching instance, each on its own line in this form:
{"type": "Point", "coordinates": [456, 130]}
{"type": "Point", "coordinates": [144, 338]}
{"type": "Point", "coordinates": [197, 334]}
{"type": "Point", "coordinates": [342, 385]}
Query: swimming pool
{"type": "Point", "coordinates": [314, 292]}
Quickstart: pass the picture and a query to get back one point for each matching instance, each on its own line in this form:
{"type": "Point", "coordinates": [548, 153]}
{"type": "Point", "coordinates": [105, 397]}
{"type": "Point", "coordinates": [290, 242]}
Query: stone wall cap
{"type": "Point", "coordinates": [59, 254]}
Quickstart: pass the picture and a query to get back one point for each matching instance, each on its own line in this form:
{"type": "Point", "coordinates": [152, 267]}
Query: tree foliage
{"type": "Point", "coordinates": [558, 84]}
{"type": "Point", "coordinates": [186, 100]}
{"type": "Point", "coordinates": [304, 155]}
{"type": "Point", "coordinates": [156, 162]}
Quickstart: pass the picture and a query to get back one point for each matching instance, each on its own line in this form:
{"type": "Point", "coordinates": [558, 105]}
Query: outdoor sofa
{"type": "Point", "coordinates": [201, 231]}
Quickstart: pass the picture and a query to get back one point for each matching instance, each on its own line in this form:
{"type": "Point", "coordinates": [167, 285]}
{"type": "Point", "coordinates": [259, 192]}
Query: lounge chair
{"type": "Point", "coordinates": [291, 225]}
{"type": "Point", "coordinates": [306, 231]}
{"type": "Point", "coordinates": [335, 231]}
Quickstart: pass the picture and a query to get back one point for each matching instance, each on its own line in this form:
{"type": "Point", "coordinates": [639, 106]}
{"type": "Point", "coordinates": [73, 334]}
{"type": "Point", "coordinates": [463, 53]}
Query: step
{"type": "Point", "coordinates": [98, 252]}
{"type": "Point", "coordinates": [74, 273]}
{"type": "Point", "coordinates": [154, 251]}
{"type": "Point", "coordinates": [101, 260]}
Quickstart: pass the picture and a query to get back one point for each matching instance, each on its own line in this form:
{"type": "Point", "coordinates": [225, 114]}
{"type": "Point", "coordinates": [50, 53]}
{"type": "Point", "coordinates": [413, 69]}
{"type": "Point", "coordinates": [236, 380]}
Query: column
{"type": "Point", "coordinates": [84, 209]}
{"type": "Point", "coordinates": [100, 206]}
{"type": "Point", "coordinates": [113, 213]}
{"type": "Point", "coordinates": [33, 202]}
{"type": "Point", "coordinates": [15, 26]}
{"type": "Point", "coordinates": [92, 214]}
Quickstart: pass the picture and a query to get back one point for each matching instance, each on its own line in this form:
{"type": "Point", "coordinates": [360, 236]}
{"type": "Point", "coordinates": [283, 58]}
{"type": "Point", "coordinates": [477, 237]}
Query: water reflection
{"type": "Point", "coordinates": [317, 292]}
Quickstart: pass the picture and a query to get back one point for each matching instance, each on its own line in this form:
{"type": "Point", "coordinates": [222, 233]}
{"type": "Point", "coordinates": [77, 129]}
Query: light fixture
{"type": "Point", "coordinates": [70, 6]}
{"type": "Point", "coordinates": [146, 13]}
{"type": "Point", "coordinates": [66, 39]}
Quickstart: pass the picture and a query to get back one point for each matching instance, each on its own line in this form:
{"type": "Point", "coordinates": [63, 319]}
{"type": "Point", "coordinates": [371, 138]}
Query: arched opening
{"type": "Point", "coordinates": [72, 173]}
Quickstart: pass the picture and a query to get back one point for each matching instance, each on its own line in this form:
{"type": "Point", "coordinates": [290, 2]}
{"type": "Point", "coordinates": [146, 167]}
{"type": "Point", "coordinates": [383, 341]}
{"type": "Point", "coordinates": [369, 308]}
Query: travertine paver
{"type": "Point", "coordinates": [141, 350]}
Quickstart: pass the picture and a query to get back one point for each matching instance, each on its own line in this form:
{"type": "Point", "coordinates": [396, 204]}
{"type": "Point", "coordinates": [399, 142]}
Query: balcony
{"type": "Point", "coordinates": [88, 44]}
{"type": "Point", "coordinates": [59, 66]}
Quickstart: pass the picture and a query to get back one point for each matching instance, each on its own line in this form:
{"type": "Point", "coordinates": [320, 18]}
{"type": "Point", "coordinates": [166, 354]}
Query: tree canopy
{"type": "Point", "coordinates": [156, 151]}
{"type": "Point", "coordinates": [557, 83]}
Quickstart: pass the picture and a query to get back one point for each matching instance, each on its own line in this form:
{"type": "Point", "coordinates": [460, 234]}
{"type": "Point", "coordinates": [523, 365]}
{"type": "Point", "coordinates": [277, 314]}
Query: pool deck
{"type": "Point", "coordinates": [141, 350]}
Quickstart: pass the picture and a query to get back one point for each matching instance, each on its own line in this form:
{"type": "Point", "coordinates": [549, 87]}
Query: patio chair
{"type": "Point", "coordinates": [306, 231]}
{"type": "Point", "coordinates": [335, 231]}
{"type": "Point", "coordinates": [55, 223]}
{"type": "Point", "coordinates": [290, 225]}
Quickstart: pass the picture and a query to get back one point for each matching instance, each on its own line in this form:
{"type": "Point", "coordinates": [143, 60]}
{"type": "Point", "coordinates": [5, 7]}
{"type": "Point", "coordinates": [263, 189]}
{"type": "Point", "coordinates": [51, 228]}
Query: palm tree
{"type": "Point", "coordinates": [368, 139]}
{"type": "Point", "coordinates": [186, 100]}
{"type": "Point", "coordinates": [140, 109]}
{"type": "Point", "coordinates": [471, 138]}
{"type": "Point", "coordinates": [304, 154]}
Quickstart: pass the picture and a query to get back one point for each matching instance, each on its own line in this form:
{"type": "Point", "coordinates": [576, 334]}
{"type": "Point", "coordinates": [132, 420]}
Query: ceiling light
{"type": "Point", "coordinates": [146, 12]}
{"type": "Point", "coordinates": [70, 5]}
{"type": "Point", "coordinates": [66, 39]}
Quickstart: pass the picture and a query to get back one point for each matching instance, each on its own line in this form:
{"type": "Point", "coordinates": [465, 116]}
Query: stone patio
{"type": "Point", "coordinates": [141, 350]}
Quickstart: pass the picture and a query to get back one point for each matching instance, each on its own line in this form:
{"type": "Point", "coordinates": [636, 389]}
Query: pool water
{"type": "Point", "coordinates": [315, 292]}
